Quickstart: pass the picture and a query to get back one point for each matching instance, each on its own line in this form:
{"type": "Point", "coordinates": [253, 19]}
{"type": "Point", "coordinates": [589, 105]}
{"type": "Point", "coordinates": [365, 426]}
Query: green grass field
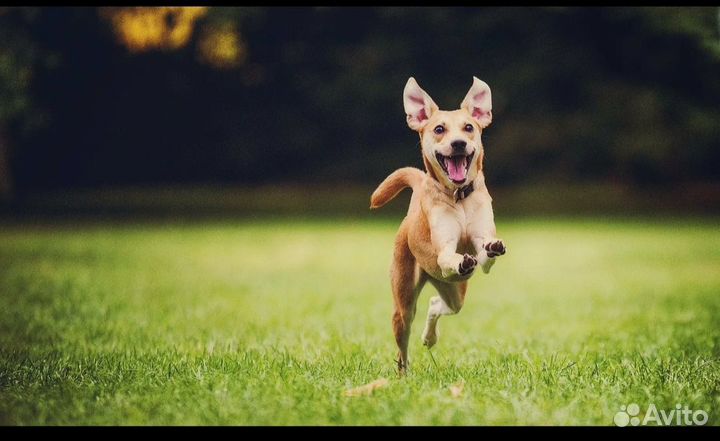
{"type": "Point", "coordinates": [269, 321]}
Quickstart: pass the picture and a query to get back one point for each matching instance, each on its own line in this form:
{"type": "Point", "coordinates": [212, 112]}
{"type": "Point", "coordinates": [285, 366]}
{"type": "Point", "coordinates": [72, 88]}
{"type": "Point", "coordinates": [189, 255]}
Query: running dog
{"type": "Point", "coordinates": [449, 229]}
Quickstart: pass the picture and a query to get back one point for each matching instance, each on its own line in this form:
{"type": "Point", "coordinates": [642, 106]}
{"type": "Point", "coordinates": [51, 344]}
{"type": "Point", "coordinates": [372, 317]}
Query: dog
{"type": "Point", "coordinates": [449, 229]}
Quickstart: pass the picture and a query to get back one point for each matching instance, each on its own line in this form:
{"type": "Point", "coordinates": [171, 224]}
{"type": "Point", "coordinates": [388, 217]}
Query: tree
{"type": "Point", "coordinates": [18, 58]}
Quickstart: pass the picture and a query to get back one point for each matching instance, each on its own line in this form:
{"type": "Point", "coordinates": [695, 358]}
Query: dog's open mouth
{"type": "Point", "coordinates": [455, 166]}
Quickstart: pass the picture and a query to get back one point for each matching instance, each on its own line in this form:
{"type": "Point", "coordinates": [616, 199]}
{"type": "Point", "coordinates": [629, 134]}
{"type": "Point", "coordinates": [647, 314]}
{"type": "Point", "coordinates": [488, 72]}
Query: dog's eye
{"type": "Point", "coordinates": [439, 129]}
{"type": "Point", "coordinates": [469, 127]}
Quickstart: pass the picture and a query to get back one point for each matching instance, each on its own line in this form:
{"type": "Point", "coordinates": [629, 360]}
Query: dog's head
{"type": "Point", "coordinates": [450, 140]}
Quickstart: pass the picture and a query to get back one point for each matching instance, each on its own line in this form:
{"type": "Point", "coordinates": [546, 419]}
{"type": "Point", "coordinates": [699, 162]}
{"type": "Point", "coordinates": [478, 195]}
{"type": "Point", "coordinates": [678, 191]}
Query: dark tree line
{"type": "Point", "coordinates": [629, 94]}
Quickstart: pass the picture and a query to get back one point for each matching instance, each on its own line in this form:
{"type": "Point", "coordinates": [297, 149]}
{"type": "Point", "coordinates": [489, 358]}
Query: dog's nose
{"type": "Point", "coordinates": [458, 146]}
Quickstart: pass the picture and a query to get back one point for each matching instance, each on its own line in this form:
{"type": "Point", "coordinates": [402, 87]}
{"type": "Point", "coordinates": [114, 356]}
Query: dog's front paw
{"type": "Point", "coordinates": [467, 265]}
{"type": "Point", "coordinates": [495, 248]}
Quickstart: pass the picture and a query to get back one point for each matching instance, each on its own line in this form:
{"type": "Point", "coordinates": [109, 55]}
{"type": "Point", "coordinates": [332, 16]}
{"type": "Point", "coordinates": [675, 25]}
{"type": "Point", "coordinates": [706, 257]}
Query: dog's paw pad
{"type": "Point", "coordinates": [467, 265]}
{"type": "Point", "coordinates": [495, 248]}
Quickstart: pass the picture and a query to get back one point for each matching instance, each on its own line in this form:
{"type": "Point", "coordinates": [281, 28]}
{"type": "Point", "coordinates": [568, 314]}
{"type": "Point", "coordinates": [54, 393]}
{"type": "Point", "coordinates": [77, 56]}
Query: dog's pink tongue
{"type": "Point", "coordinates": [456, 168]}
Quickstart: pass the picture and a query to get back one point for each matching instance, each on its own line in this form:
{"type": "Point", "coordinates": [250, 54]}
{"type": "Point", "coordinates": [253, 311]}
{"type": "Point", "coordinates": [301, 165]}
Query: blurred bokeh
{"type": "Point", "coordinates": [284, 102]}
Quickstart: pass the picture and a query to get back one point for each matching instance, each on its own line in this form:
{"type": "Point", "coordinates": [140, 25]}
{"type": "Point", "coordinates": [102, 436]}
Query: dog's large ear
{"type": "Point", "coordinates": [418, 105]}
{"type": "Point", "coordinates": [478, 102]}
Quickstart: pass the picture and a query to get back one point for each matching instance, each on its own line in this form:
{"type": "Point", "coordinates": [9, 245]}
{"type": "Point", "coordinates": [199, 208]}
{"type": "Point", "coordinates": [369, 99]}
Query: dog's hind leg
{"type": "Point", "coordinates": [450, 301]}
{"type": "Point", "coordinates": [407, 281]}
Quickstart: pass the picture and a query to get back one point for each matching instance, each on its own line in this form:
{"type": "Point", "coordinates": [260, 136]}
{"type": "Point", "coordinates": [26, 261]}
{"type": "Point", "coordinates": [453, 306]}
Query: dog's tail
{"type": "Point", "coordinates": [394, 184]}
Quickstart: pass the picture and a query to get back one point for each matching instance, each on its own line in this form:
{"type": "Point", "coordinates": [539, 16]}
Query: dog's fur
{"type": "Point", "coordinates": [442, 239]}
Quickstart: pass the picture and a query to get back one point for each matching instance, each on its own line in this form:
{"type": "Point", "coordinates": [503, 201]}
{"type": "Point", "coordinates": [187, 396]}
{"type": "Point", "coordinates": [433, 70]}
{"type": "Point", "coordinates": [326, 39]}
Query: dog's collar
{"type": "Point", "coordinates": [463, 192]}
{"type": "Point", "coordinates": [459, 193]}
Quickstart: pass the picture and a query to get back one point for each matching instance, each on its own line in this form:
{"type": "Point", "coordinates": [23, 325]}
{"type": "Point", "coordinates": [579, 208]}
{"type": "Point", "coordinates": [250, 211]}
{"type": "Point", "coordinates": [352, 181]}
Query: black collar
{"type": "Point", "coordinates": [459, 193]}
{"type": "Point", "coordinates": [463, 192]}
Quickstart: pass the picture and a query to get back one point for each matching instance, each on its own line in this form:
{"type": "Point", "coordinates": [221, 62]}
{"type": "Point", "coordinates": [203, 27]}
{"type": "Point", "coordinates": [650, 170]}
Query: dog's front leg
{"type": "Point", "coordinates": [484, 261]}
{"type": "Point", "coordinates": [488, 248]}
{"type": "Point", "coordinates": [484, 237]}
{"type": "Point", "coordinates": [445, 231]}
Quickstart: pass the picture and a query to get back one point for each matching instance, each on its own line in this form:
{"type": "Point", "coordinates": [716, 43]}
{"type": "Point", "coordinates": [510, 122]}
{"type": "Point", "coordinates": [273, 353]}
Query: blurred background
{"type": "Point", "coordinates": [254, 110]}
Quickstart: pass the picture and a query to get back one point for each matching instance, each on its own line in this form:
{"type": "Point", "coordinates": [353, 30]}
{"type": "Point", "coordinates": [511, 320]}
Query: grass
{"type": "Point", "coordinates": [268, 321]}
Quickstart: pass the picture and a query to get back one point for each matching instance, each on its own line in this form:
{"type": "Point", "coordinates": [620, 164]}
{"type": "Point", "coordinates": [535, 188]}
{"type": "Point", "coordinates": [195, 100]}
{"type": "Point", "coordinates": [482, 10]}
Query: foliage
{"type": "Point", "coordinates": [255, 95]}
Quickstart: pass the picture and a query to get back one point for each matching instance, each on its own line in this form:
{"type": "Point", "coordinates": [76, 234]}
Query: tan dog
{"type": "Point", "coordinates": [449, 228]}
